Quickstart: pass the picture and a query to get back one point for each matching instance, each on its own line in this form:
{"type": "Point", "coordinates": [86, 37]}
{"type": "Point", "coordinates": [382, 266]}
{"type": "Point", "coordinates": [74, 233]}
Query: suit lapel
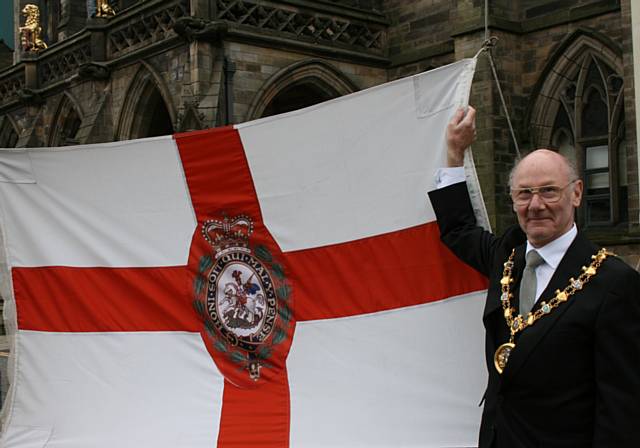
{"type": "Point", "coordinates": [578, 255]}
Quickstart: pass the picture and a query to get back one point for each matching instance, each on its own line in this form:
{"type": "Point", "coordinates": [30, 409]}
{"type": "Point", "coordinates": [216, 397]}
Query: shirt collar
{"type": "Point", "coordinates": [553, 252]}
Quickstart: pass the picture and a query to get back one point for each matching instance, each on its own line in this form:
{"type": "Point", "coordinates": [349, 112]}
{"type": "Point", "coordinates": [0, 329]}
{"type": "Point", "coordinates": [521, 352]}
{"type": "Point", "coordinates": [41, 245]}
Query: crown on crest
{"type": "Point", "coordinates": [228, 234]}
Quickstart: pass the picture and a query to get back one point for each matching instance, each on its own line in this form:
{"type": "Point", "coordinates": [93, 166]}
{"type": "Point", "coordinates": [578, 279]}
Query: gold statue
{"type": "Point", "coordinates": [31, 32]}
{"type": "Point", "coordinates": [104, 9]}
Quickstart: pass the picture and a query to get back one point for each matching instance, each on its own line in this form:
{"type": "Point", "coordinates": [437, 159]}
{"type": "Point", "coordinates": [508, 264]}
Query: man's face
{"type": "Point", "coordinates": [541, 220]}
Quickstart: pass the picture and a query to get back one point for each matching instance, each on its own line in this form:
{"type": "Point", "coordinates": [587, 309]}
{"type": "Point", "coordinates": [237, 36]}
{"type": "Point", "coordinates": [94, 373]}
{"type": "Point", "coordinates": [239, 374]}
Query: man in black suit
{"type": "Point", "coordinates": [562, 318]}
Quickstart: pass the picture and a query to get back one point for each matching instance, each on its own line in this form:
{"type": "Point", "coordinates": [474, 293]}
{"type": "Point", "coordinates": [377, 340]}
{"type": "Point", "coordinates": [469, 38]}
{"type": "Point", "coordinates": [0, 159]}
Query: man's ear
{"type": "Point", "coordinates": [578, 187]}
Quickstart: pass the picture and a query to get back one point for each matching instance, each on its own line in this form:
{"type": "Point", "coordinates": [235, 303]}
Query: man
{"type": "Point", "coordinates": [567, 372]}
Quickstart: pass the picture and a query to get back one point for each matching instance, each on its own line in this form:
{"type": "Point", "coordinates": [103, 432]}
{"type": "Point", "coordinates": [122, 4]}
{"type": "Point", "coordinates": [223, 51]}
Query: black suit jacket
{"type": "Point", "coordinates": [573, 379]}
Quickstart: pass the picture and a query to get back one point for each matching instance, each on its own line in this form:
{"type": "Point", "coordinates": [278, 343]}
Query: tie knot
{"type": "Point", "coordinates": [533, 259]}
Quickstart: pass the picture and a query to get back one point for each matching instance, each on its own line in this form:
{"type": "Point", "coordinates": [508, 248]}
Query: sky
{"type": "Point", "coordinates": [6, 22]}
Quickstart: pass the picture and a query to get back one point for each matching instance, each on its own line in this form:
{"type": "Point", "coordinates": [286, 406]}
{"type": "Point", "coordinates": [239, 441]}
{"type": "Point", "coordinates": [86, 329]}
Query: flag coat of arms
{"type": "Point", "coordinates": [276, 283]}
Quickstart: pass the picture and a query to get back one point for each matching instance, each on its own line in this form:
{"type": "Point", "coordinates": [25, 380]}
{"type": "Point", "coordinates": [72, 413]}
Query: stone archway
{"type": "Point", "coordinates": [148, 110]}
{"type": "Point", "coordinates": [152, 117]}
{"type": "Point", "coordinates": [563, 66]}
{"type": "Point", "coordinates": [579, 110]}
{"type": "Point", "coordinates": [300, 85]}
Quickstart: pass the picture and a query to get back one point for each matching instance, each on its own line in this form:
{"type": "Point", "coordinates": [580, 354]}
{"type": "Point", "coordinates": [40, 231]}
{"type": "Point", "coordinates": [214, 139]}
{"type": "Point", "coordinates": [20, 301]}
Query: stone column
{"type": "Point", "coordinates": [98, 27]}
{"type": "Point", "coordinates": [30, 70]}
{"type": "Point", "coordinates": [630, 12]}
{"type": "Point", "coordinates": [204, 9]}
{"type": "Point", "coordinates": [203, 84]}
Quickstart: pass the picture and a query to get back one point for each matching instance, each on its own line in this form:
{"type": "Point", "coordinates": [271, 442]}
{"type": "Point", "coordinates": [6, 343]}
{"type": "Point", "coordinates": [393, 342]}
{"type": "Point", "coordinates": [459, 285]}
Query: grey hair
{"type": "Point", "coordinates": [571, 166]}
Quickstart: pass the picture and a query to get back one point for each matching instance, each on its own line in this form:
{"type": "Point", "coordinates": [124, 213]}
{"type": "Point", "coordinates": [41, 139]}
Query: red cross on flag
{"type": "Point", "coordinates": [277, 283]}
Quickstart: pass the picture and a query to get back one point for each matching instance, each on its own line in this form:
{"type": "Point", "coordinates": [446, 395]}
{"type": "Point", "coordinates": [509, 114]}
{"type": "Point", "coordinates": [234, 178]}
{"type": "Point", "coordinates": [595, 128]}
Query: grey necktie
{"type": "Point", "coordinates": [528, 284]}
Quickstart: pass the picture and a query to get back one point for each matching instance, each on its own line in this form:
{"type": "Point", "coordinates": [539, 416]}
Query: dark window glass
{"type": "Point", "coordinates": [597, 184]}
{"type": "Point", "coordinates": [623, 181]}
{"type": "Point", "coordinates": [8, 136]}
{"type": "Point", "coordinates": [296, 97]}
{"type": "Point", "coordinates": [152, 116]}
{"type": "Point", "coordinates": [562, 119]}
{"type": "Point", "coordinates": [594, 115]}
{"type": "Point", "coordinates": [598, 211]}
{"type": "Point", "coordinates": [70, 129]}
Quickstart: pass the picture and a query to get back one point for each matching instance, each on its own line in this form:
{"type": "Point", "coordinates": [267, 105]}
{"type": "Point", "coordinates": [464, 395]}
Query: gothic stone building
{"type": "Point", "coordinates": [165, 66]}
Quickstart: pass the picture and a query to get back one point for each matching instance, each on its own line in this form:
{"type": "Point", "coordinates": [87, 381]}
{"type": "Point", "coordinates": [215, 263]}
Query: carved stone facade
{"type": "Point", "coordinates": [163, 66]}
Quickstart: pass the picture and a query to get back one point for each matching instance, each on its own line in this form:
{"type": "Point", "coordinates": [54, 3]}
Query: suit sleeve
{"type": "Point", "coordinates": [617, 363]}
{"type": "Point", "coordinates": [458, 228]}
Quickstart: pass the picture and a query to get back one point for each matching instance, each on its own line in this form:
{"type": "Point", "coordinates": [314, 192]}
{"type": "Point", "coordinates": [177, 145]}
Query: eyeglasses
{"type": "Point", "coordinates": [548, 193]}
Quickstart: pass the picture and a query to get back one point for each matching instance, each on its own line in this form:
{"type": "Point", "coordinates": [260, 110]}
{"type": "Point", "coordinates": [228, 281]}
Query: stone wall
{"type": "Point", "coordinates": [200, 80]}
{"type": "Point", "coordinates": [630, 117]}
{"type": "Point", "coordinates": [419, 36]}
{"type": "Point", "coordinates": [256, 67]}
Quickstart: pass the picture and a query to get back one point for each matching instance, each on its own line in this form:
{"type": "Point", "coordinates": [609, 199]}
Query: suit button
{"type": "Point", "coordinates": [500, 399]}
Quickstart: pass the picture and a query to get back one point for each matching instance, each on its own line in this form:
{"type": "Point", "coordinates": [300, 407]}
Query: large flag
{"type": "Point", "coordinates": [276, 283]}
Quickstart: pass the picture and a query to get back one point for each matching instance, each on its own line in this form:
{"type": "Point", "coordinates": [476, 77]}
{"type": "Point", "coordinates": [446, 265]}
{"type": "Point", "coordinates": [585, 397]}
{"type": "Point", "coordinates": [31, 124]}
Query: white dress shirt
{"type": "Point", "coordinates": [449, 176]}
{"type": "Point", "coordinates": [551, 253]}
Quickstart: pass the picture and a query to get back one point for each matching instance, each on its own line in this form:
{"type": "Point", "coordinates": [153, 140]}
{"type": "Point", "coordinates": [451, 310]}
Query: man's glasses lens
{"type": "Point", "coordinates": [549, 193]}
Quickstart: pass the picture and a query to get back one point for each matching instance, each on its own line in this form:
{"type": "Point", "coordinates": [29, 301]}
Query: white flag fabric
{"type": "Point", "coordinates": [276, 283]}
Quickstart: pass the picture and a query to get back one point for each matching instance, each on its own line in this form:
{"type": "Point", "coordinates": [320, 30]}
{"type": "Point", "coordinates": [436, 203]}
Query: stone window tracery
{"type": "Point", "coordinates": [598, 116]}
{"type": "Point", "coordinates": [580, 113]}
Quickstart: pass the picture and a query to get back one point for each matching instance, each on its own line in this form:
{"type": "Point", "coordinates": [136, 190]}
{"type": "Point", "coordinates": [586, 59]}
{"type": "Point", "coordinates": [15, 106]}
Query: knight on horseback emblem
{"type": "Point", "coordinates": [243, 304]}
{"type": "Point", "coordinates": [241, 298]}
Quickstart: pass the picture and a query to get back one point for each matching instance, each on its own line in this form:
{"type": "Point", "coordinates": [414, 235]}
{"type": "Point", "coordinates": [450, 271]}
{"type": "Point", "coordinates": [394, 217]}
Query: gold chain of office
{"type": "Point", "coordinates": [519, 323]}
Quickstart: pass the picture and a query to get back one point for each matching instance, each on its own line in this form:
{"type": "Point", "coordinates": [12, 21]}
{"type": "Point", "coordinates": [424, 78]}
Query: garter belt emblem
{"type": "Point", "coordinates": [241, 303]}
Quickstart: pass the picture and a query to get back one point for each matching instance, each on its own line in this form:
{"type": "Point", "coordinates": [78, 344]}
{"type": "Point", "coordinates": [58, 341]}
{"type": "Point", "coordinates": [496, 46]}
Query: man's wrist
{"type": "Point", "coordinates": [455, 160]}
{"type": "Point", "coordinates": [455, 157]}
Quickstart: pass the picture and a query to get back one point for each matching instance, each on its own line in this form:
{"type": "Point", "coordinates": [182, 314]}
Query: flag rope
{"type": "Point", "coordinates": [488, 44]}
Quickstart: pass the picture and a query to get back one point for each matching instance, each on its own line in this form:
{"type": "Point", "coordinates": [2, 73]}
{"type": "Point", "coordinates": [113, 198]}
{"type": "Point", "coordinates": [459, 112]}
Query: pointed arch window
{"type": "Point", "coordinates": [298, 96]}
{"type": "Point", "coordinates": [66, 124]}
{"type": "Point", "coordinates": [589, 129]}
{"type": "Point", "coordinates": [149, 116]}
{"type": "Point", "coordinates": [69, 132]}
{"type": "Point", "coordinates": [299, 85]}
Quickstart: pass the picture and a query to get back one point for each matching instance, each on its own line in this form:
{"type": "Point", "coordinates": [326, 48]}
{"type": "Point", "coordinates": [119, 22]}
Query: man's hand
{"type": "Point", "coordinates": [461, 132]}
